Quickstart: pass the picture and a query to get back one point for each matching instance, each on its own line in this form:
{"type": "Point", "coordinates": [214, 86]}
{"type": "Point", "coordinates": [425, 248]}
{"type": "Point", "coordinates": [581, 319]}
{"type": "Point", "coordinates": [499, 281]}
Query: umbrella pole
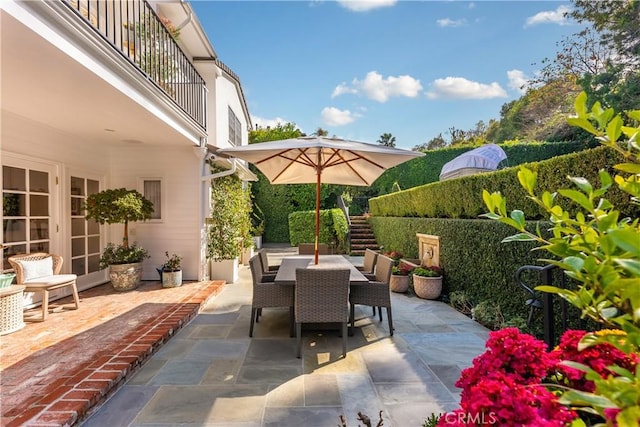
{"type": "Point", "coordinates": [318, 174]}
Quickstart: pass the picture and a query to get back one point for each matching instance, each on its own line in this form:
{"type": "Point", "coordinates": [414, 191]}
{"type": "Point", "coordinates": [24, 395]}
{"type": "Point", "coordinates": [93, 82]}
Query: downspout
{"type": "Point", "coordinates": [204, 204]}
{"type": "Point", "coordinates": [209, 177]}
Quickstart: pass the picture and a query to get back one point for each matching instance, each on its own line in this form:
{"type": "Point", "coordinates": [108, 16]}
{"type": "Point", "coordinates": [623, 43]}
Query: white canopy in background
{"type": "Point", "coordinates": [481, 159]}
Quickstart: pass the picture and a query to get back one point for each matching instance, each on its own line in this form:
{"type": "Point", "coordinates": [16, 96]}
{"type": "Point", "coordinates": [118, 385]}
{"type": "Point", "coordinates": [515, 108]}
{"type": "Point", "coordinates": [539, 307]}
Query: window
{"type": "Point", "coordinates": [152, 191]}
{"type": "Point", "coordinates": [235, 129]}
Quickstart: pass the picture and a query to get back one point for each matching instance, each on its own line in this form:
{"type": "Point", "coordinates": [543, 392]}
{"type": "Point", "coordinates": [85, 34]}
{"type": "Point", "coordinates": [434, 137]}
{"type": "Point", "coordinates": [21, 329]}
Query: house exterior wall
{"type": "Point", "coordinates": [91, 113]}
{"type": "Point", "coordinates": [179, 229]}
{"type": "Point", "coordinates": [227, 96]}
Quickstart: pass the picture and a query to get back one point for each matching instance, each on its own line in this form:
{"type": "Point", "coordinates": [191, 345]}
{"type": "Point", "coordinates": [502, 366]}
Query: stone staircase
{"type": "Point", "coordinates": [361, 236]}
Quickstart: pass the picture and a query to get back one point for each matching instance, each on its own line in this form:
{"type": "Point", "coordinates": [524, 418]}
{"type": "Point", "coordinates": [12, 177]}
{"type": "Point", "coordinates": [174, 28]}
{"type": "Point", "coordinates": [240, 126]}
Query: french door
{"type": "Point", "coordinates": [29, 208]}
{"type": "Point", "coordinates": [85, 234]}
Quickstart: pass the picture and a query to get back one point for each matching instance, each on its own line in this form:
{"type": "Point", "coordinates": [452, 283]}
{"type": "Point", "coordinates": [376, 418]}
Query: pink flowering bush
{"type": "Point", "coordinates": [599, 357]}
{"type": "Point", "coordinates": [515, 382]}
{"type": "Point", "coordinates": [504, 386]}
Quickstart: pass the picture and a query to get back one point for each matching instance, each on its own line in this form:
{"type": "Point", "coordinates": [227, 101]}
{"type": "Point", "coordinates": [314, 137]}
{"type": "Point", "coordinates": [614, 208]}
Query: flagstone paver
{"type": "Point", "coordinates": [259, 381]}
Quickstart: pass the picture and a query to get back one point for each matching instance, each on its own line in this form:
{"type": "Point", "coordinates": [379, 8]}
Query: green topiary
{"type": "Point", "coordinates": [119, 206]}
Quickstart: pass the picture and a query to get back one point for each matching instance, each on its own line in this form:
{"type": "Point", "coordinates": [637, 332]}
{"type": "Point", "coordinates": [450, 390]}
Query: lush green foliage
{"type": "Point", "coordinates": [119, 206]}
{"type": "Point", "coordinates": [599, 248]}
{"type": "Point", "coordinates": [118, 254]}
{"type": "Point", "coordinates": [333, 228]}
{"type": "Point", "coordinates": [277, 133]}
{"type": "Point", "coordinates": [427, 271]}
{"type": "Point", "coordinates": [173, 262]}
{"type": "Point", "coordinates": [461, 197]}
{"type": "Point", "coordinates": [476, 263]}
{"type": "Point", "coordinates": [340, 229]}
{"type": "Point", "coordinates": [426, 169]}
{"type": "Point", "coordinates": [229, 227]}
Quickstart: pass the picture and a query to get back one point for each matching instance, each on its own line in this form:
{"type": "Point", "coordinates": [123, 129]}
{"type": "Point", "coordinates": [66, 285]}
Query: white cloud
{"type": "Point", "coordinates": [365, 5]}
{"type": "Point", "coordinates": [380, 89]}
{"type": "Point", "coordinates": [461, 88]}
{"type": "Point", "coordinates": [334, 117]}
{"type": "Point", "coordinates": [264, 123]}
{"type": "Point", "coordinates": [518, 80]}
{"type": "Point", "coordinates": [549, 17]}
{"type": "Point", "coordinates": [447, 22]}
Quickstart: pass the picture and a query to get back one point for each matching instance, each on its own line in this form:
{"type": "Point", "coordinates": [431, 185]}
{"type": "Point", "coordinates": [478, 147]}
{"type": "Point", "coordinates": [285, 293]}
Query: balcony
{"type": "Point", "coordinates": [148, 41]}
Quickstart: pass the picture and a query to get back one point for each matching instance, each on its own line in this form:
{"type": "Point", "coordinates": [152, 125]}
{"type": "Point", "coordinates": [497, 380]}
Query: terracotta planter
{"type": "Point", "coordinates": [427, 287]}
{"type": "Point", "coordinates": [125, 277]}
{"type": "Point", "coordinates": [399, 283]}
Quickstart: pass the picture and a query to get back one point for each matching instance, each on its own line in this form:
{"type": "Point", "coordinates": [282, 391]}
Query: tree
{"type": "Point", "coordinates": [281, 131]}
{"type": "Point", "coordinates": [387, 140]}
{"type": "Point", "coordinates": [617, 22]}
{"type": "Point", "coordinates": [433, 144]}
{"type": "Point", "coordinates": [321, 132]}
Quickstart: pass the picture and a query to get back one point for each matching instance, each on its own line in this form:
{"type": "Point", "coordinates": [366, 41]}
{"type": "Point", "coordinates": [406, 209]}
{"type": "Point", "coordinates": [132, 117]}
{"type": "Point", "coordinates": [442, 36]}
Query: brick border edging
{"type": "Point", "coordinates": [72, 399]}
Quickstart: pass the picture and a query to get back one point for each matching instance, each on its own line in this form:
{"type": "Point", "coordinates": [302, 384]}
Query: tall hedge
{"type": "Point", "coordinates": [462, 197]}
{"type": "Point", "coordinates": [333, 228]}
{"type": "Point", "coordinates": [472, 256]}
{"type": "Point", "coordinates": [426, 169]}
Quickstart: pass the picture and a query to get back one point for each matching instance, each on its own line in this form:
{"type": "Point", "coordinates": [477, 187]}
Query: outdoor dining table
{"type": "Point", "coordinates": [287, 272]}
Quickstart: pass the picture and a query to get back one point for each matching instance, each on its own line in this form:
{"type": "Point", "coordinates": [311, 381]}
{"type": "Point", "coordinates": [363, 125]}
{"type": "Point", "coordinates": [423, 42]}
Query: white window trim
{"type": "Point", "coordinates": [163, 197]}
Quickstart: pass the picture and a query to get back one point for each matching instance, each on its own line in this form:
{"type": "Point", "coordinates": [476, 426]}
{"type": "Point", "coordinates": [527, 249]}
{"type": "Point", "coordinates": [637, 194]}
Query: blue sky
{"type": "Point", "coordinates": [363, 68]}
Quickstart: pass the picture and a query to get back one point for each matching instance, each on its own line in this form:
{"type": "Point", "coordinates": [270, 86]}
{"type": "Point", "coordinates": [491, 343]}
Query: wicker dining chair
{"type": "Point", "coordinates": [268, 271]}
{"type": "Point", "coordinates": [321, 296]}
{"type": "Point", "coordinates": [268, 294]}
{"type": "Point", "coordinates": [39, 272]}
{"type": "Point", "coordinates": [368, 268]}
{"type": "Point", "coordinates": [375, 293]}
{"type": "Point", "coordinates": [310, 249]}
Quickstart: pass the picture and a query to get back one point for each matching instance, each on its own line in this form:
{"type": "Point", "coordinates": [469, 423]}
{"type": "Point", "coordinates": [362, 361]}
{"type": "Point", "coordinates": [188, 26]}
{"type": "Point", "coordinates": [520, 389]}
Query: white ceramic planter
{"type": "Point", "coordinates": [171, 279]}
{"type": "Point", "coordinates": [226, 270]}
{"type": "Point", "coordinates": [257, 242]}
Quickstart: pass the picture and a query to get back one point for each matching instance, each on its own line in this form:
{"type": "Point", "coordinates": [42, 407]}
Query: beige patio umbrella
{"type": "Point", "coordinates": [310, 159]}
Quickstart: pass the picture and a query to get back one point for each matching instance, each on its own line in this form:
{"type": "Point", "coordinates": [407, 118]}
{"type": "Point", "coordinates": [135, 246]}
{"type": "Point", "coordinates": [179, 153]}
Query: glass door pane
{"type": "Point", "coordinates": [26, 210]}
{"type": "Point", "coordinates": [85, 234]}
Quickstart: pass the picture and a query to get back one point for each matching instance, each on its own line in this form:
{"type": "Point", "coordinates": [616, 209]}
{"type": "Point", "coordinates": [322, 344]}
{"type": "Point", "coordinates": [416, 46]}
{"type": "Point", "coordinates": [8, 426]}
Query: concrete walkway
{"type": "Point", "coordinates": [212, 374]}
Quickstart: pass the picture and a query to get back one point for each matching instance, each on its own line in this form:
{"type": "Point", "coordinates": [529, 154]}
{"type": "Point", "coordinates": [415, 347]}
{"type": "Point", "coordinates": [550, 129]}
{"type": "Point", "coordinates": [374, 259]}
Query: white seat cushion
{"type": "Point", "coordinates": [51, 280]}
{"type": "Point", "coordinates": [36, 268]}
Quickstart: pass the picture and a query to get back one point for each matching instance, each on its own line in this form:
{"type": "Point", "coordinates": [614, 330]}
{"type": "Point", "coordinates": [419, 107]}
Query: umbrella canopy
{"type": "Point", "coordinates": [314, 159]}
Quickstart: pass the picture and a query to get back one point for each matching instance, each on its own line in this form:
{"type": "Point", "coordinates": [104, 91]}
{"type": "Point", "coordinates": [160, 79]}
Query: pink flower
{"type": "Point", "coordinates": [598, 357]}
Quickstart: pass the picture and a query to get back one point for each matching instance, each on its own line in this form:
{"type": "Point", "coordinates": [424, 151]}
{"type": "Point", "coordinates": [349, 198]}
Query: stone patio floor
{"type": "Point", "coordinates": [212, 374]}
{"type": "Point", "coordinates": [54, 373]}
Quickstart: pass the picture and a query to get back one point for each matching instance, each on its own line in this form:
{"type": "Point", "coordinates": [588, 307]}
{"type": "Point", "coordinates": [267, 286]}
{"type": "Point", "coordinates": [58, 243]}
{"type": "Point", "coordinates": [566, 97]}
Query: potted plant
{"type": "Point", "coordinates": [228, 225]}
{"type": "Point", "coordinates": [427, 281]}
{"type": "Point", "coordinates": [120, 206]}
{"type": "Point", "coordinates": [400, 275]}
{"type": "Point", "coordinates": [172, 271]}
{"type": "Point", "coordinates": [395, 256]}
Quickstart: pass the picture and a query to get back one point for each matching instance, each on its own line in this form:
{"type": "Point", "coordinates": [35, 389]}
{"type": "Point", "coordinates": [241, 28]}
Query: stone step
{"type": "Point", "coordinates": [362, 234]}
{"type": "Point", "coordinates": [361, 242]}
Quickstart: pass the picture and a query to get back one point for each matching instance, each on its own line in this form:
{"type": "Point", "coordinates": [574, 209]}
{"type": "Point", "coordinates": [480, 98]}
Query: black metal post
{"type": "Point", "coordinates": [547, 306]}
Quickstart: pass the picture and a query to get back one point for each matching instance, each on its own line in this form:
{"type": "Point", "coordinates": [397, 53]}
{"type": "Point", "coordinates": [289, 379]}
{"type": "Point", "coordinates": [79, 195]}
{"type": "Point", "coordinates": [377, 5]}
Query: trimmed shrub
{"type": "Point", "coordinates": [333, 228]}
{"type": "Point", "coordinates": [462, 197]}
